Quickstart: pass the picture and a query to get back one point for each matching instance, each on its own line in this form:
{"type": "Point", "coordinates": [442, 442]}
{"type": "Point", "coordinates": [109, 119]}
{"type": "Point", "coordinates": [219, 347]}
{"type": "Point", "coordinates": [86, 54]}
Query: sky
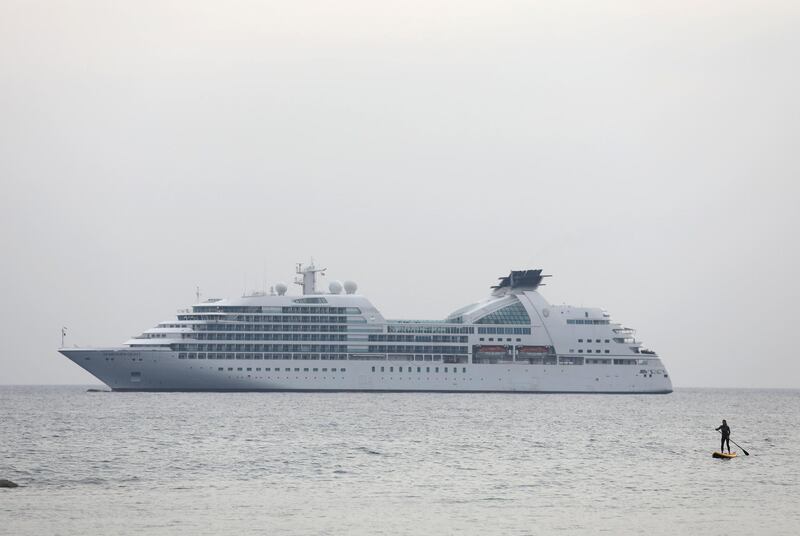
{"type": "Point", "coordinates": [646, 154]}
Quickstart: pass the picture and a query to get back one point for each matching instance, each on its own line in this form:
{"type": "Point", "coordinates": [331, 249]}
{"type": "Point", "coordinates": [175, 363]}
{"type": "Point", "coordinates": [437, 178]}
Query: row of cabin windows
{"type": "Point", "coordinates": [412, 328]}
{"type": "Point", "coordinates": [419, 369]}
{"type": "Point", "coordinates": [418, 338]}
{"type": "Point", "coordinates": [229, 320]}
{"type": "Point", "coordinates": [408, 349]}
{"type": "Point", "coordinates": [274, 309]}
{"type": "Point", "coordinates": [213, 355]}
{"type": "Point", "coordinates": [267, 336]}
{"type": "Point", "coordinates": [419, 349]}
{"type": "Point", "coordinates": [317, 356]}
{"type": "Point", "coordinates": [270, 327]}
{"type": "Point", "coordinates": [278, 369]}
{"type": "Point", "coordinates": [500, 339]}
{"type": "Point", "coordinates": [247, 336]}
{"type": "Point", "coordinates": [505, 331]}
{"type": "Point", "coordinates": [580, 351]}
{"type": "Point", "coordinates": [562, 361]}
{"type": "Point", "coordinates": [596, 340]}
{"type": "Point", "coordinates": [279, 323]}
{"type": "Point", "coordinates": [612, 362]}
{"type": "Point", "coordinates": [260, 347]}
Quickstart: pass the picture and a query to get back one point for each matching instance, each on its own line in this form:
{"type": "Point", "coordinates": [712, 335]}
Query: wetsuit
{"type": "Point", "coordinates": [726, 437]}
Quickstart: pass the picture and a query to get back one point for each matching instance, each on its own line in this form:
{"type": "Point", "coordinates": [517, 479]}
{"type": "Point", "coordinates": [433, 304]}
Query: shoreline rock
{"type": "Point", "coordinates": [7, 483]}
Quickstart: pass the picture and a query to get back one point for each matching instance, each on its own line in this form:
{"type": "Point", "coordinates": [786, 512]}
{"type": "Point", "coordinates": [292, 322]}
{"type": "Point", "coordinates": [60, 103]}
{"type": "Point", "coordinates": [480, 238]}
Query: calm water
{"type": "Point", "coordinates": [297, 463]}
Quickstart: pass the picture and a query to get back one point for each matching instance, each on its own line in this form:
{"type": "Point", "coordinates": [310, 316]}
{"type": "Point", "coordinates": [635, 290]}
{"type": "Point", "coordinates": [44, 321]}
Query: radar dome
{"type": "Point", "coordinates": [335, 287]}
{"type": "Point", "coordinates": [350, 287]}
{"type": "Point", "coordinates": [281, 288]}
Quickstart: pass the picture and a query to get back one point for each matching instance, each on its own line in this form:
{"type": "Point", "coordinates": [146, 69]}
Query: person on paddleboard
{"type": "Point", "coordinates": [725, 430]}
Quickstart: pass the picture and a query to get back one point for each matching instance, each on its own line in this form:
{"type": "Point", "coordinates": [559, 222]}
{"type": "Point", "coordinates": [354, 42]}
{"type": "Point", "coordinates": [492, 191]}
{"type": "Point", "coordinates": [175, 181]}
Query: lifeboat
{"type": "Point", "coordinates": [492, 349]}
{"type": "Point", "coordinates": [532, 349]}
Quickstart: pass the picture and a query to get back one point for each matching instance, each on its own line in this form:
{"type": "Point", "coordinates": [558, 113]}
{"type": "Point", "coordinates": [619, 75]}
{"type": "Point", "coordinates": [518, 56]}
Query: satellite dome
{"type": "Point", "coordinates": [281, 288]}
{"type": "Point", "coordinates": [350, 287]}
{"type": "Point", "coordinates": [335, 287]}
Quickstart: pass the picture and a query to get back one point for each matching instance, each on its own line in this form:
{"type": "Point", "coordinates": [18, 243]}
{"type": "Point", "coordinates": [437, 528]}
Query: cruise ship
{"type": "Point", "coordinates": [511, 341]}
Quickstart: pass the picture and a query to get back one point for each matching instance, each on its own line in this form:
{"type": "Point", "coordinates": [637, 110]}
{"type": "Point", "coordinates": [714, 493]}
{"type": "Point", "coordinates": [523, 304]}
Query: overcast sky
{"type": "Point", "coordinates": [646, 154]}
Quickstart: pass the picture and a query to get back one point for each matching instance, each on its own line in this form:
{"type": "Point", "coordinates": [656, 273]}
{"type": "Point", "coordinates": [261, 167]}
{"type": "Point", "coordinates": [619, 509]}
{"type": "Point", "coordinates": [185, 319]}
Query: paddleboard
{"type": "Point", "coordinates": [723, 455]}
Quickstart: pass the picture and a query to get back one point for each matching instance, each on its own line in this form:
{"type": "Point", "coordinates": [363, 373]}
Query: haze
{"type": "Point", "coordinates": [644, 154]}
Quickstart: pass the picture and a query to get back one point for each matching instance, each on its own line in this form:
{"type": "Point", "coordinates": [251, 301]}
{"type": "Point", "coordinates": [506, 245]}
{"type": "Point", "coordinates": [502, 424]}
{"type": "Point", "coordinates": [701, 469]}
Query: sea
{"type": "Point", "coordinates": [105, 463]}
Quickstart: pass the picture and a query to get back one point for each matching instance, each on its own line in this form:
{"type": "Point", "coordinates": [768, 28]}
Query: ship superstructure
{"type": "Point", "coordinates": [512, 341]}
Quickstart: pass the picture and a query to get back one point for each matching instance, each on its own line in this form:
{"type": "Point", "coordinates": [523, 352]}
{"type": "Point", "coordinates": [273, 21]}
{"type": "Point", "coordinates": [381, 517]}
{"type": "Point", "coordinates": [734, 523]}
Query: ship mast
{"type": "Point", "coordinates": [307, 277]}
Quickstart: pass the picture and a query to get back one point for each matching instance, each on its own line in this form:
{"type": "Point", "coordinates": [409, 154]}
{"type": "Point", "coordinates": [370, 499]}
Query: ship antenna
{"type": "Point", "coordinates": [197, 293]}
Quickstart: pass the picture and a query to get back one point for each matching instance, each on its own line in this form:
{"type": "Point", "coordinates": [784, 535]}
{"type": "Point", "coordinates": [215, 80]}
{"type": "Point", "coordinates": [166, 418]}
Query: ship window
{"type": "Point", "coordinates": [580, 340]}
{"type": "Point", "coordinates": [510, 314]}
{"type": "Point", "coordinates": [373, 369]}
{"type": "Point", "coordinates": [481, 338]}
{"type": "Point", "coordinates": [381, 369]}
{"type": "Point", "coordinates": [342, 370]}
{"type": "Point", "coordinates": [267, 369]}
{"type": "Point", "coordinates": [437, 369]}
{"type": "Point", "coordinates": [221, 368]}
{"type": "Point", "coordinates": [240, 368]}
{"type": "Point", "coordinates": [464, 369]}
{"type": "Point", "coordinates": [607, 340]}
{"type": "Point", "coordinates": [305, 370]}
{"type": "Point", "coordinates": [419, 369]}
{"type": "Point", "coordinates": [333, 370]}
{"type": "Point", "coordinates": [606, 351]}
{"type": "Point", "coordinates": [427, 369]}
{"type": "Point", "coordinates": [297, 370]}
{"type": "Point", "coordinates": [399, 369]}
{"type": "Point", "coordinates": [230, 368]}
{"type": "Point", "coordinates": [249, 369]}
{"type": "Point", "coordinates": [580, 351]}
{"type": "Point", "coordinates": [445, 369]}
{"type": "Point", "coordinates": [491, 338]}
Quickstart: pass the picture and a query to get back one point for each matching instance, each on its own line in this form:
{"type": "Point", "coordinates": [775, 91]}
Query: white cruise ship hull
{"type": "Point", "coordinates": [126, 369]}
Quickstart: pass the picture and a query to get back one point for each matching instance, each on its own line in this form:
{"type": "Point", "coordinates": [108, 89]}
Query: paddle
{"type": "Point", "coordinates": [737, 444]}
